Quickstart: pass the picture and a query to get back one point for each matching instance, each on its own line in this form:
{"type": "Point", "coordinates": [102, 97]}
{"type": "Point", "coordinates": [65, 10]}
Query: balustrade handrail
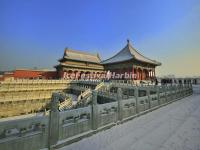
{"type": "Point", "coordinates": [71, 124]}
{"type": "Point", "coordinates": [67, 104]}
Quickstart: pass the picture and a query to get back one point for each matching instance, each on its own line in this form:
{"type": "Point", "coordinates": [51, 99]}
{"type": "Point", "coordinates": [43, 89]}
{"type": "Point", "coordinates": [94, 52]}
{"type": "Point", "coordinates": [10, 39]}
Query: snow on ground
{"type": "Point", "coordinates": [172, 127]}
{"type": "Point", "coordinates": [73, 98]}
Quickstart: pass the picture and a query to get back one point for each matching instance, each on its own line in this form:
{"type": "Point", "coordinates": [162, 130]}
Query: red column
{"type": "Point", "coordinates": [136, 73]}
{"type": "Point", "coordinates": [133, 72]}
{"type": "Point", "coordinates": [150, 74]}
{"type": "Point", "coordinates": [141, 74]}
{"type": "Point", "coordinates": [69, 74]}
{"type": "Point", "coordinates": [63, 74]}
{"type": "Point", "coordinates": [120, 72]}
{"type": "Point", "coordinates": [147, 74]}
{"type": "Point", "coordinates": [153, 73]}
{"type": "Point", "coordinates": [128, 72]}
{"type": "Point", "coordinates": [144, 74]}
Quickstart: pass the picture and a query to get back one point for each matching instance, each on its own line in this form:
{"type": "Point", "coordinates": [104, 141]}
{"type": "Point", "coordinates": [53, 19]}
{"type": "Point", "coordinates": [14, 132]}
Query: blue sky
{"type": "Point", "coordinates": [34, 33]}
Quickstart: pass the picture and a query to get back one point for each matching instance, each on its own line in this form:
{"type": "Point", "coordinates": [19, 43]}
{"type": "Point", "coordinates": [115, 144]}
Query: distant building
{"type": "Point", "coordinates": [29, 74]}
{"type": "Point", "coordinates": [179, 80]}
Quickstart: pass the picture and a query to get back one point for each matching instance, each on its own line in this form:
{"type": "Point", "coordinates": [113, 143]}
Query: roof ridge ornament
{"type": "Point", "coordinates": [65, 51]}
{"type": "Point", "coordinates": [128, 41]}
{"type": "Point", "coordinates": [98, 55]}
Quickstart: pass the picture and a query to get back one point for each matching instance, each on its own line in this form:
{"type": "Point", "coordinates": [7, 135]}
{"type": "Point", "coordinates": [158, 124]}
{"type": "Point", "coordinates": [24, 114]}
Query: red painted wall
{"type": "Point", "coordinates": [26, 74]}
{"type": "Point", "coordinates": [31, 74]}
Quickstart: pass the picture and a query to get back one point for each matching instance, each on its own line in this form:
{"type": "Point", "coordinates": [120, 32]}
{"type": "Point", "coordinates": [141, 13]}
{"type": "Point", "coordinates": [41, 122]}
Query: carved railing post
{"type": "Point", "coordinates": [171, 92]}
{"type": "Point", "coordinates": [54, 120]}
{"type": "Point", "coordinates": [136, 98]}
{"type": "Point", "coordinates": [181, 90]}
{"type": "Point", "coordinates": [176, 91]}
{"type": "Point", "coordinates": [94, 111]}
{"type": "Point", "coordinates": [119, 100]}
{"type": "Point", "coordinates": [149, 98]}
{"type": "Point", "coordinates": [165, 91]}
{"type": "Point", "coordinates": [158, 94]}
{"type": "Point", "coordinates": [191, 89]}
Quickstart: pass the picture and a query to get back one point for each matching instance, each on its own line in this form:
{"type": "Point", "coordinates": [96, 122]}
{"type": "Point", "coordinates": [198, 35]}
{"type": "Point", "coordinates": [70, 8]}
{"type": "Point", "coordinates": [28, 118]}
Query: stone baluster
{"type": "Point", "coordinates": [128, 93]}
{"type": "Point", "coordinates": [177, 91]}
{"type": "Point", "coordinates": [158, 94]}
{"type": "Point", "coordinates": [171, 92]}
{"type": "Point", "coordinates": [54, 120]}
{"type": "Point", "coordinates": [181, 89]}
{"type": "Point", "coordinates": [94, 111]}
{"type": "Point", "coordinates": [149, 98]}
{"type": "Point", "coordinates": [165, 91]}
{"type": "Point", "coordinates": [191, 89]}
{"type": "Point", "coordinates": [119, 100]}
{"type": "Point", "coordinates": [136, 98]}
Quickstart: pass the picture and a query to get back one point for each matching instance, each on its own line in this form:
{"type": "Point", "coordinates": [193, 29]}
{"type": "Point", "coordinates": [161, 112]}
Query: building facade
{"type": "Point", "coordinates": [76, 63]}
{"type": "Point", "coordinates": [131, 62]}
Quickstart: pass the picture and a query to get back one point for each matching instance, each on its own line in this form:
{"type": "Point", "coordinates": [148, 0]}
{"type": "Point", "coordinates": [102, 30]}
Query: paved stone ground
{"type": "Point", "coordinates": [172, 127]}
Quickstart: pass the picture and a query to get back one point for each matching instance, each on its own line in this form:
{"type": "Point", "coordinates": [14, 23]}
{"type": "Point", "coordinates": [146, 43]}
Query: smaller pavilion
{"type": "Point", "coordinates": [77, 63]}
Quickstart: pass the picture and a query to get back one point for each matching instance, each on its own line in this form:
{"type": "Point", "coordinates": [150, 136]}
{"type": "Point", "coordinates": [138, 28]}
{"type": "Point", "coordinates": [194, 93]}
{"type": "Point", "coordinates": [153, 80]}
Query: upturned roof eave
{"type": "Point", "coordinates": [156, 64]}
{"type": "Point", "coordinates": [131, 51]}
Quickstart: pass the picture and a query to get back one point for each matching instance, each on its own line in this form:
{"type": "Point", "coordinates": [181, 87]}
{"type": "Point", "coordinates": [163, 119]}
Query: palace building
{"type": "Point", "coordinates": [128, 60]}
{"type": "Point", "coordinates": [131, 61]}
{"type": "Point", "coordinates": [77, 62]}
